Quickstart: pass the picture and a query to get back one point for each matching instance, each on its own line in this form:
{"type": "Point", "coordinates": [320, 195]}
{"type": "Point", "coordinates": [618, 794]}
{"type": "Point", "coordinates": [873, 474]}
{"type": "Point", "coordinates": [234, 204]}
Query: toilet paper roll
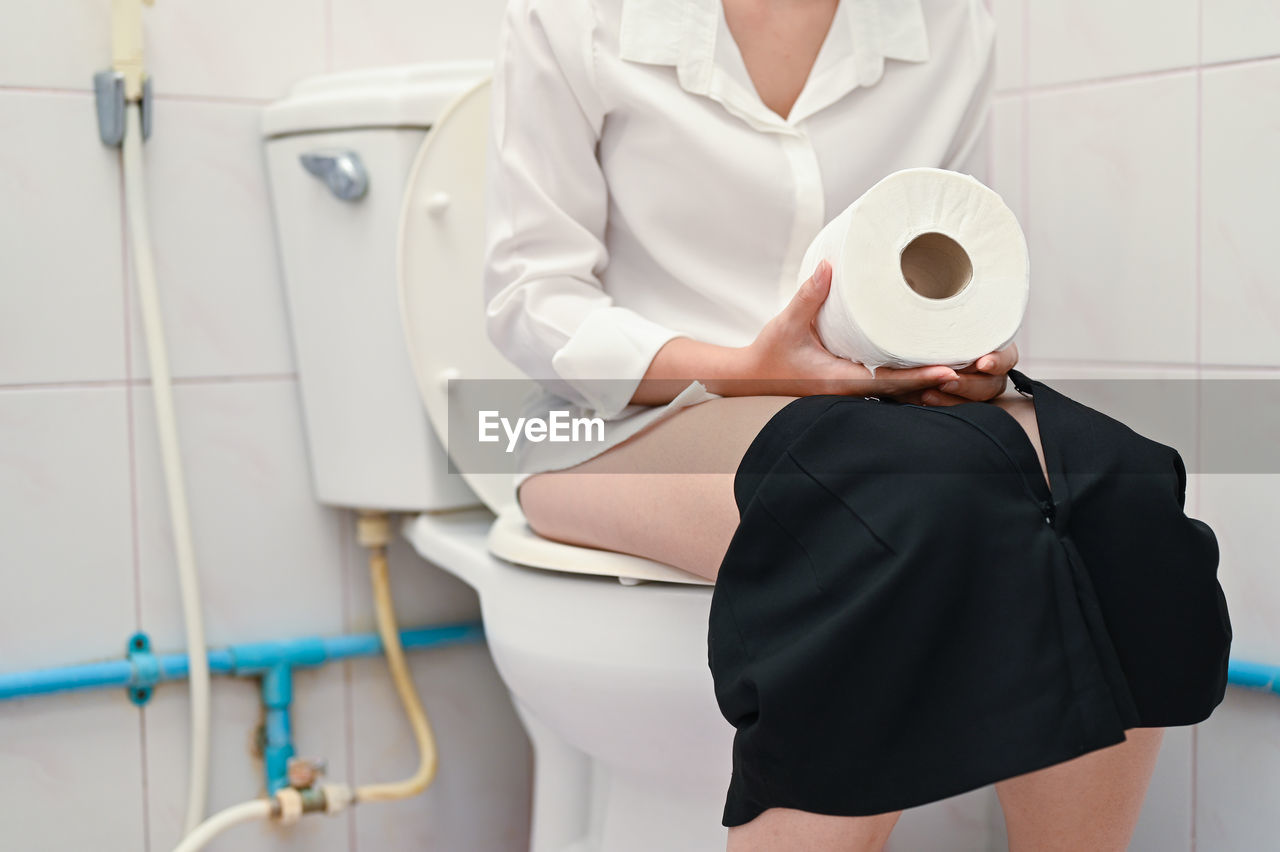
{"type": "Point", "coordinates": [928, 267]}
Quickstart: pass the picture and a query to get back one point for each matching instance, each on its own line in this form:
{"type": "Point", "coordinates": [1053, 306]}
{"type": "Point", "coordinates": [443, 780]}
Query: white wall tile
{"type": "Point", "coordinates": [1241, 509]}
{"type": "Point", "coordinates": [424, 594]}
{"type": "Point", "coordinates": [1238, 774]}
{"type": "Point", "coordinates": [964, 820]}
{"type": "Point", "coordinates": [1086, 39]}
{"type": "Point", "coordinates": [233, 48]}
{"type": "Point", "coordinates": [1007, 138]}
{"type": "Point", "coordinates": [1006, 152]}
{"type": "Point", "coordinates": [480, 797]}
{"type": "Point", "coordinates": [1165, 822]}
{"type": "Point", "coordinates": [1010, 43]}
{"type": "Point", "coordinates": [319, 731]}
{"type": "Point", "coordinates": [1240, 301]}
{"type": "Point", "coordinates": [67, 550]}
{"type": "Point", "coordinates": [214, 244]}
{"type": "Point", "coordinates": [269, 556]}
{"type": "Point", "coordinates": [1158, 402]}
{"type": "Point", "coordinates": [55, 43]}
{"type": "Point", "coordinates": [71, 772]}
{"type": "Point", "coordinates": [394, 32]}
{"type": "Point", "coordinates": [1240, 29]}
{"type": "Point", "coordinates": [61, 309]}
{"type": "Point", "coordinates": [1112, 222]}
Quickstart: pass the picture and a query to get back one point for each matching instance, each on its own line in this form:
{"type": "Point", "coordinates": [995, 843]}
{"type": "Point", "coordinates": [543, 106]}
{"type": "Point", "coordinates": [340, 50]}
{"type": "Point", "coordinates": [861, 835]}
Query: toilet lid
{"type": "Point", "coordinates": [441, 239]}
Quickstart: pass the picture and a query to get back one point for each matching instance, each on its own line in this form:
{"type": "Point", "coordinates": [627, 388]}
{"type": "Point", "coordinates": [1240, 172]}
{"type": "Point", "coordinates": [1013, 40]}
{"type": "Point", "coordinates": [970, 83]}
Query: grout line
{"type": "Point", "coordinates": [87, 384]}
{"type": "Point", "coordinates": [146, 785]}
{"type": "Point", "coordinates": [1025, 149]}
{"type": "Point", "coordinates": [1094, 82]}
{"type": "Point", "coordinates": [1117, 364]}
{"type": "Point", "coordinates": [345, 543]}
{"type": "Point", "coordinates": [160, 96]}
{"type": "Point", "coordinates": [130, 382]}
{"type": "Point", "coordinates": [126, 386]}
{"type": "Point", "coordinates": [231, 100]}
{"type": "Point", "coordinates": [1199, 398]}
{"type": "Point", "coordinates": [134, 514]}
{"type": "Point", "coordinates": [328, 35]}
{"type": "Point", "coordinates": [1200, 369]}
{"type": "Point", "coordinates": [43, 90]}
{"type": "Point", "coordinates": [229, 379]}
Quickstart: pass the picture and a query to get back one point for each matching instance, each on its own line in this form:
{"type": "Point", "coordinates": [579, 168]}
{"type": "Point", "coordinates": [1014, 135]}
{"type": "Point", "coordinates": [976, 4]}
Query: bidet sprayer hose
{"type": "Point", "coordinates": [174, 479]}
{"type": "Point", "coordinates": [374, 533]}
{"type": "Point", "coordinates": [373, 530]}
{"type": "Point", "coordinates": [200, 837]}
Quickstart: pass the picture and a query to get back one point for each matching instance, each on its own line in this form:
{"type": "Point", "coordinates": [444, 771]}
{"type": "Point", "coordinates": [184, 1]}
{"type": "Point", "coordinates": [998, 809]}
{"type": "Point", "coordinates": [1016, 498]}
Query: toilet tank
{"type": "Point", "coordinates": [339, 149]}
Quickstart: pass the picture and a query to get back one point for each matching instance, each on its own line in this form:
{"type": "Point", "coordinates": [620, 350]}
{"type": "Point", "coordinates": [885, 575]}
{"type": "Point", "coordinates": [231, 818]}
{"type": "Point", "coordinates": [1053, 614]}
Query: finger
{"type": "Point", "coordinates": [894, 382]}
{"type": "Point", "coordinates": [938, 398]}
{"type": "Point", "coordinates": [804, 305]}
{"type": "Point", "coordinates": [911, 397]}
{"type": "Point", "coordinates": [999, 362]}
{"type": "Point", "coordinates": [975, 386]}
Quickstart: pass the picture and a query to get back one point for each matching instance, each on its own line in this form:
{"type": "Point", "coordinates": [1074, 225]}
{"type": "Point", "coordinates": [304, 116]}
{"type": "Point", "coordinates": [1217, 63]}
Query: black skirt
{"type": "Point", "coordinates": [907, 611]}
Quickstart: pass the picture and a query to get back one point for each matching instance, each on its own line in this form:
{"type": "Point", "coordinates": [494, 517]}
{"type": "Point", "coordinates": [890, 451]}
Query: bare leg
{"type": "Point", "coordinates": [684, 519]}
{"type": "Point", "coordinates": [687, 519]}
{"type": "Point", "coordinates": [784, 828]}
{"type": "Point", "coordinates": [1089, 803]}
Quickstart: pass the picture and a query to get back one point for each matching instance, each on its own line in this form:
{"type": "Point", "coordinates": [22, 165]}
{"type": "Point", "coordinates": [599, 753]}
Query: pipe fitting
{"type": "Point", "coordinates": [373, 528]}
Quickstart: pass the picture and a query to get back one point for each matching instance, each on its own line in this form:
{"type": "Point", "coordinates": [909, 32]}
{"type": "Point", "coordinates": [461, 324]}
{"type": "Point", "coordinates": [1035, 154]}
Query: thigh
{"type": "Point", "coordinates": [665, 494]}
{"type": "Point", "coordinates": [1024, 411]}
{"type": "Point", "coordinates": [1091, 802]}
{"type": "Point", "coordinates": [784, 828]}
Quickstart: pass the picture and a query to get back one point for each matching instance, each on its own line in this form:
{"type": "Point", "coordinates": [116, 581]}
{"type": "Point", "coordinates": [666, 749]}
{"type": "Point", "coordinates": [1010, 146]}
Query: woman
{"type": "Point", "coordinates": [658, 168]}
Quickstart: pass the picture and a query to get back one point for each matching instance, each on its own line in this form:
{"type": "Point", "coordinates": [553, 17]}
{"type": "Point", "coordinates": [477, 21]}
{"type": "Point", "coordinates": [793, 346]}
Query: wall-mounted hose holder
{"type": "Point", "coordinates": [146, 669]}
{"type": "Point", "coordinates": [109, 95]}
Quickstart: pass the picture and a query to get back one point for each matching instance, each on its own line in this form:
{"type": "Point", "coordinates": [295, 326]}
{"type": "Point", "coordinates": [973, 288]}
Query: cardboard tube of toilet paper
{"type": "Point", "coordinates": [928, 267]}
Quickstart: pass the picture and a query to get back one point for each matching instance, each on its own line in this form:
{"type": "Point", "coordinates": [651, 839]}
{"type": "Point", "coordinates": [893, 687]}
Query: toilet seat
{"type": "Point", "coordinates": [511, 539]}
{"type": "Point", "coordinates": [441, 239]}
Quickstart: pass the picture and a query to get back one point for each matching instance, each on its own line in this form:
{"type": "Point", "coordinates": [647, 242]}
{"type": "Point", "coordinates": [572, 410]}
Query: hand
{"type": "Point", "coordinates": [788, 358]}
{"type": "Point", "coordinates": [982, 380]}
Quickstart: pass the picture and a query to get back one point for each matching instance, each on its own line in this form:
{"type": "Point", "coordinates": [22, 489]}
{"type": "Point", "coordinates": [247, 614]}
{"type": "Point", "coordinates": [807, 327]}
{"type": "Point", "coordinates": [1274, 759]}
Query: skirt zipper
{"type": "Point", "coordinates": [1045, 506]}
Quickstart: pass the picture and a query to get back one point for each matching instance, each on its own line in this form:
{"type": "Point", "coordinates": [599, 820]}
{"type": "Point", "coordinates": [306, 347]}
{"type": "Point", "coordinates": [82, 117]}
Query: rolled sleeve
{"type": "Point", "coordinates": [608, 355]}
{"type": "Point", "coordinates": [547, 206]}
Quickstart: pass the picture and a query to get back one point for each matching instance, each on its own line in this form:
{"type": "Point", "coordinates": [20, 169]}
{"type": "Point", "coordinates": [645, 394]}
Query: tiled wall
{"type": "Point", "coordinates": [1135, 140]}
{"type": "Point", "coordinates": [85, 554]}
{"type": "Point", "coordinates": [1138, 143]}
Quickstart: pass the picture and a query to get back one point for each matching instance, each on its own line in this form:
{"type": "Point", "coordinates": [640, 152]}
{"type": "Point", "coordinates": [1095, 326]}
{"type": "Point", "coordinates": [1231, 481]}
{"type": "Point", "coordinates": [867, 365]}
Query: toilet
{"type": "Point", "coordinates": [377, 183]}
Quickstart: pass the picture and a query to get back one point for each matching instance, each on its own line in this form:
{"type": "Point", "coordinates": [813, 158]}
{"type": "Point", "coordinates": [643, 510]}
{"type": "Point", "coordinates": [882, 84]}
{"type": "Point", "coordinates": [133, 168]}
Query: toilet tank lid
{"type": "Point", "coordinates": [400, 96]}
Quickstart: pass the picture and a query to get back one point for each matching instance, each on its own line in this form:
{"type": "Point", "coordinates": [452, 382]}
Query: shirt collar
{"type": "Point", "coordinates": [683, 34]}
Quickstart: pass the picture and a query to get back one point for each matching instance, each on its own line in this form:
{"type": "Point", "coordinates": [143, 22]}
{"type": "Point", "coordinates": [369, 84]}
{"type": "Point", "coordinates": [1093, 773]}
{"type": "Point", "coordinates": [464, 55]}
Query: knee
{"type": "Point", "coordinates": [537, 499]}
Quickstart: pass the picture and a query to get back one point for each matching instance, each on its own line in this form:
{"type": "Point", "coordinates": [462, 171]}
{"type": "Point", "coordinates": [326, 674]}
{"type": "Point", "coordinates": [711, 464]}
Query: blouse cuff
{"type": "Point", "coordinates": [608, 355]}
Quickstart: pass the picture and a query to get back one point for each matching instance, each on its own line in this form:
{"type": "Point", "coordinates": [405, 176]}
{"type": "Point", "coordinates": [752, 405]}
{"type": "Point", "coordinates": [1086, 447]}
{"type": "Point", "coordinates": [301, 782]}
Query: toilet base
{"type": "Point", "coordinates": [611, 682]}
{"type": "Point", "coordinates": [585, 805]}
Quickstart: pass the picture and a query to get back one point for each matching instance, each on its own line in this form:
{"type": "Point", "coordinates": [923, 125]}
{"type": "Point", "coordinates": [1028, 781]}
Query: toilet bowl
{"type": "Point", "coordinates": [604, 653]}
{"type": "Point", "coordinates": [611, 683]}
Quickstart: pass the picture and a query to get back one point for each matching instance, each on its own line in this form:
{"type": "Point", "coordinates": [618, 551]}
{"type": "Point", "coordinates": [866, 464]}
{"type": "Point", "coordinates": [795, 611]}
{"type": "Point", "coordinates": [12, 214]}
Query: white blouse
{"type": "Point", "coordinates": [640, 190]}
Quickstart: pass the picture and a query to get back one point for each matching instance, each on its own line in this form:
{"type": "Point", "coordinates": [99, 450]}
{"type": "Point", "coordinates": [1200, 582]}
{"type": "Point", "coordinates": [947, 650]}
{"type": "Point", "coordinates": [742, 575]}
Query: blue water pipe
{"type": "Point", "coordinates": [1252, 675]}
{"type": "Point", "coordinates": [275, 661]}
{"type": "Point", "coordinates": [272, 661]}
{"type": "Point", "coordinates": [277, 732]}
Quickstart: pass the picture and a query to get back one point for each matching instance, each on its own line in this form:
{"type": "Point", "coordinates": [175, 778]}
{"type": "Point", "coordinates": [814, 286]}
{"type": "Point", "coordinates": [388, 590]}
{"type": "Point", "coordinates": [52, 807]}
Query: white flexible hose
{"type": "Point", "coordinates": [167, 432]}
{"type": "Point", "coordinates": [223, 820]}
